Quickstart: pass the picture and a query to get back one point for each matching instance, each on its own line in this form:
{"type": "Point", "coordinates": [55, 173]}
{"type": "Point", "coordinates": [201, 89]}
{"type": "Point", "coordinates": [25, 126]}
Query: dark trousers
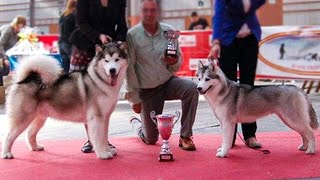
{"type": "Point", "coordinates": [242, 52]}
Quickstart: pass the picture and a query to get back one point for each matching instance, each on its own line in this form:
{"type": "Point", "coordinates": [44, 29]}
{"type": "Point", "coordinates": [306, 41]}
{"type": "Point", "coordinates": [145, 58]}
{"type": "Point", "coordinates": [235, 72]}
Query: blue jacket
{"type": "Point", "coordinates": [230, 16]}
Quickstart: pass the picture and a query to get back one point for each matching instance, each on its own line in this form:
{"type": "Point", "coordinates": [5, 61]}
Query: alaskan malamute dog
{"type": "Point", "coordinates": [233, 103]}
{"type": "Point", "coordinates": [40, 91]}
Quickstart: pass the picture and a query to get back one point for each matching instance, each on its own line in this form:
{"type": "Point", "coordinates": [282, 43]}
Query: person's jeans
{"type": "Point", "coordinates": [4, 71]}
{"type": "Point", "coordinates": [65, 50]}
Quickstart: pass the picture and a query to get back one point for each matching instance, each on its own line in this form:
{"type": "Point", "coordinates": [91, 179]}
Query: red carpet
{"type": "Point", "coordinates": [63, 160]}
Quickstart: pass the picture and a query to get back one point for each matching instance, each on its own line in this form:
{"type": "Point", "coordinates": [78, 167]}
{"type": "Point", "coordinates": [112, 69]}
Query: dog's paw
{"type": "Point", "coordinates": [220, 154]}
{"type": "Point", "coordinates": [105, 155]}
{"type": "Point", "coordinates": [310, 150]}
{"type": "Point", "coordinates": [219, 149]}
{"type": "Point", "coordinates": [302, 147]}
{"type": "Point", "coordinates": [7, 155]}
{"type": "Point", "coordinates": [113, 151]}
{"type": "Point", "coordinates": [37, 148]}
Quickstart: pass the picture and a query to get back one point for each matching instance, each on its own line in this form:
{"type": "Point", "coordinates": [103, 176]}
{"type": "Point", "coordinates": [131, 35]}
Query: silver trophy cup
{"type": "Point", "coordinates": [165, 124]}
{"type": "Point", "coordinates": [172, 36]}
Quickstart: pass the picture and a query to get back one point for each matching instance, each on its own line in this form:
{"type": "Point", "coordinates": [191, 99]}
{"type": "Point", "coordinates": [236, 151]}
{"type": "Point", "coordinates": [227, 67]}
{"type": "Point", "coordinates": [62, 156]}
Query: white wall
{"type": "Point", "coordinates": [45, 12]}
{"type": "Point", "coordinates": [177, 23]}
{"type": "Point", "coordinates": [175, 11]}
{"type": "Point", "coordinates": [8, 10]}
{"type": "Point", "coordinates": [183, 4]}
{"type": "Point", "coordinates": [301, 12]}
{"type": "Point", "coordinates": [296, 12]}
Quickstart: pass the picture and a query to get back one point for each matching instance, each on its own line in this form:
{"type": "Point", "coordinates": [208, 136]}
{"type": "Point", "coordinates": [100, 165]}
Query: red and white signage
{"type": "Point", "coordinates": [286, 52]}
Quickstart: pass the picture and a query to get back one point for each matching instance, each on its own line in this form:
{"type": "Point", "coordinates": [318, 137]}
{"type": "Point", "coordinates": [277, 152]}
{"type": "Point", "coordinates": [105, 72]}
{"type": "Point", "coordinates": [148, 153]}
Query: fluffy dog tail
{"type": "Point", "coordinates": [46, 67]}
{"type": "Point", "coordinates": [313, 117]}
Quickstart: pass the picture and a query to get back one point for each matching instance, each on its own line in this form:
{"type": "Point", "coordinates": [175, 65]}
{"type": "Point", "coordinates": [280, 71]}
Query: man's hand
{"type": "Point", "coordinates": [6, 63]}
{"type": "Point", "coordinates": [105, 38]}
{"type": "Point", "coordinates": [170, 60]}
{"type": "Point", "coordinates": [215, 50]}
{"type": "Point", "coordinates": [136, 108]}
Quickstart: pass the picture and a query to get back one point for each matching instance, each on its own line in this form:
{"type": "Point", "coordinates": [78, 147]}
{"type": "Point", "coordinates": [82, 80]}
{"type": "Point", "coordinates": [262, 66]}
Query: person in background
{"type": "Point", "coordinates": [197, 23]}
{"type": "Point", "coordinates": [8, 38]}
{"type": "Point", "coordinates": [66, 26]}
{"type": "Point", "coordinates": [151, 80]}
{"type": "Point", "coordinates": [282, 51]}
{"type": "Point", "coordinates": [236, 33]}
{"type": "Point", "coordinates": [100, 21]}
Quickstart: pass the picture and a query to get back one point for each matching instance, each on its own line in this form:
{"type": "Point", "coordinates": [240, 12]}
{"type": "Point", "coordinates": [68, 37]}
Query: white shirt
{"type": "Point", "coordinates": [245, 30]}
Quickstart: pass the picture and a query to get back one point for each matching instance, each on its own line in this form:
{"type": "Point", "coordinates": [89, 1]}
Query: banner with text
{"type": "Point", "coordinates": [286, 52]}
{"type": "Point", "coordinates": [291, 52]}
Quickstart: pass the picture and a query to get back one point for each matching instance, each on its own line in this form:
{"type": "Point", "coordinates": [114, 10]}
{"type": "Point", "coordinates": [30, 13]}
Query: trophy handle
{"type": "Point", "coordinates": [178, 116]}
{"type": "Point", "coordinates": [153, 117]}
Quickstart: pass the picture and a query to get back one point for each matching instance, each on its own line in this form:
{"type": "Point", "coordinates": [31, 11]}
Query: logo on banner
{"type": "Point", "coordinates": [187, 40]}
{"type": "Point", "coordinates": [296, 52]}
{"type": "Point", "coordinates": [210, 40]}
{"type": "Point", "coordinates": [193, 63]}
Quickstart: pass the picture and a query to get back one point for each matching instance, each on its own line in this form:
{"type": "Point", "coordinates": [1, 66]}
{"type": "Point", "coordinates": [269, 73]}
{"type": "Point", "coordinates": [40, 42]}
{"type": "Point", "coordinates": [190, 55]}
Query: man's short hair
{"type": "Point", "coordinates": [156, 1]}
{"type": "Point", "coordinates": [194, 14]}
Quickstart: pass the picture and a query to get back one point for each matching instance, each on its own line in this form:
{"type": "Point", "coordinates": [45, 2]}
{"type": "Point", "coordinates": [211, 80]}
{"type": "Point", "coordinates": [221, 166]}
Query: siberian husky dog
{"type": "Point", "coordinates": [40, 91]}
{"type": "Point", "coordinates": [233, 103]}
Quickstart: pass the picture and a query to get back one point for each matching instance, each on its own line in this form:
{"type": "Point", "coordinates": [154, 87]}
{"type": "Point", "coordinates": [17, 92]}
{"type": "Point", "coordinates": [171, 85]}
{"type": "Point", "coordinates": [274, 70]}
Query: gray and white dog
{"type": "Point", "coordinates": [232, 103]}
{"type": "Point", "coordinates": [40, 91]}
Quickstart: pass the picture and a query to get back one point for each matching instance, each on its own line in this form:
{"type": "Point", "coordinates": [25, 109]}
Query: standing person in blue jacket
{"type": "Point", "coordinates": [236, 33]}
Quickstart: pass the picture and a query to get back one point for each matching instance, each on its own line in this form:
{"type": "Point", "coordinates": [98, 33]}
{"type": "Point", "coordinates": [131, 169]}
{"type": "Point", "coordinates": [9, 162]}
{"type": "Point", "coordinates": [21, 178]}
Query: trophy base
{"type": "Point", "coordinates": [165, 157]}
{"type": "Point", "coordinates": [172, 53]}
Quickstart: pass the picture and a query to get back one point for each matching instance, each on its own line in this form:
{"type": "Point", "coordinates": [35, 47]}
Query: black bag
{"type": "Point", "coordinates": [80, 40]}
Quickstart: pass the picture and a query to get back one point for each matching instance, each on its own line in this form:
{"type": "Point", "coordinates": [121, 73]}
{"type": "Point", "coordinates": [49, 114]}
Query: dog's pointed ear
{"type": "Point", "coordinates": [99, 49]}
{"type": "Point", "coordinates": [123, 49]}
{"type": "Point", "coordinates": [213, 64]}
{"type": "Point", "coordinates": [200, 64]}
{"type": "Point", "coordinates": [122, 46]}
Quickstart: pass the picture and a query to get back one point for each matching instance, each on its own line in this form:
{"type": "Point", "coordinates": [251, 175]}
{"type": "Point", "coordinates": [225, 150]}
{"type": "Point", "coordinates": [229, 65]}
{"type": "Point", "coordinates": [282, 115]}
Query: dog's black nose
{"type": "Point", "coordinates": [199, 88]}
{"type": "Point", "coordinates": [112, 71]}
